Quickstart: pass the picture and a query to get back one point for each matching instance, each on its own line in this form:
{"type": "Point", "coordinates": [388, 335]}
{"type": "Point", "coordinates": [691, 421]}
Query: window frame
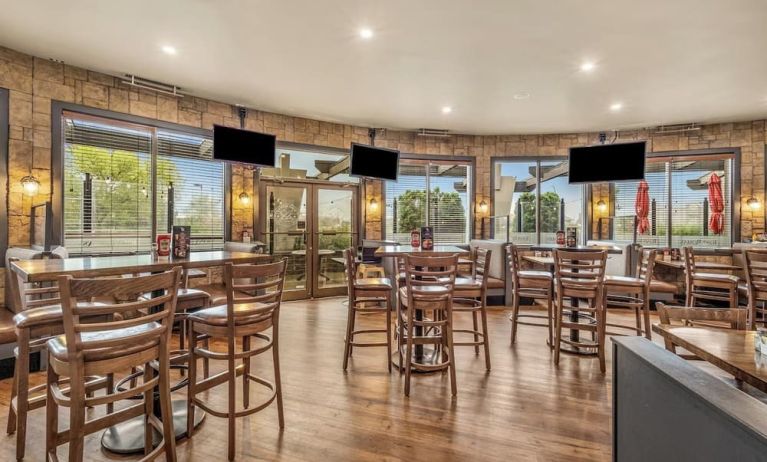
{"type": "Point", "coordinates": [57, 160]}
{"type": "Point", "coordinates": [471, 161]}
{"type": "Point", "coordinates": [4, 148]}
{"type": "Point", "coordinates": [585, 193]}
{"type": "Point", "coordinates": [735, 190]}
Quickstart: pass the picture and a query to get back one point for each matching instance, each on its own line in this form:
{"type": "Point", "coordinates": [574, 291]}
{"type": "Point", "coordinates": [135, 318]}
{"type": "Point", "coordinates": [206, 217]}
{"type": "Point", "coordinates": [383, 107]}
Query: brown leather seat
{"type": "Point", "coordinates": [372, 283]}
{"type": "Point", "coordinates": [38, 316]}
{"type": "Point", "coordinates": [623, 281]}
{"type": "Point", "coordinates": [716, 277]}
{"type": "Point", "coordinates": [467, 283]}
{"type": "Point", "coordinates": [495, 283]}
{"type": "Point", "coordinates": [426, 290]}
{"type": "Point", "coordinates": [7, 327]}
{"type": "Point", "coordinates": [216, 315]}
{"type": "Point", "coordinates": [530, 274]}
{"type": "Point", "coordinates": [57, 346]}
{"type": "Point", "coordinates": [663, 287]}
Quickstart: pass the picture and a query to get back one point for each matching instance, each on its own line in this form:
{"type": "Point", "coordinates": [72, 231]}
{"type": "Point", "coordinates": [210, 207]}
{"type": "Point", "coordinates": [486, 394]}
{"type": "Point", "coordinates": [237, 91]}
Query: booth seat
{"type": "Point", "coordinates": [496, 283]}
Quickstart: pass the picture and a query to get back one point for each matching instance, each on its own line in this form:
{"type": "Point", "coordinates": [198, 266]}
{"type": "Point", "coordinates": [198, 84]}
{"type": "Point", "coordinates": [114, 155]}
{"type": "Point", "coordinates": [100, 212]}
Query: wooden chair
{"type": "Point", "coordinates": [708, 286]}
{"type": "Point", "coordinates": [429, 287]}
{"type": "Point", "coordinates": [39, 319]}
{"type": "Point", "coordinates": [108, 347]}
{"type": "Point", "coordinates": [756, 286]}
{"type": "Point", "coordinates": [246, 317]}
{"type": "Point", "coordinates": [364, 292]}
{"type": "Point", "coordinates": [537, 285]}
{"type": "Point", "coordinates": [726, 318]}
{"type": "Point", "coordinates": [470, 296]}
{"type": "Point", "coordinates": [633, 292]}
{"type": "Point", "coordinates": [580, 276]}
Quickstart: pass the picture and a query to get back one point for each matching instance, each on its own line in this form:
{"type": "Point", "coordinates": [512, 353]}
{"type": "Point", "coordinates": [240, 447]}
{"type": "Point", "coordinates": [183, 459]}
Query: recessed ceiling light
{"type": "Point", "coordinates": [447, 110]}
{"type": "Point", "coordinates": [588, 66]}
{"type": "Point", "coordinates": [366, 33]}
{"type": "Point", "coordinates": [169, 50]}
{"type": "Point", "coordinates": [615, 107]}
{"type": "Point", "coordinates": [522, 95]}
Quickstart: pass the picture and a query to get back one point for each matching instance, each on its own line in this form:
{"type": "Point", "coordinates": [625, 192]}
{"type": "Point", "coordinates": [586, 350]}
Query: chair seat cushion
{"type": "Point", "coordinates": [44, 315]}
{"type": "Point", "coordinates": [530, 274]}
{"type": "Point", "coordinates": [184, 294]}
{"type": "Point", "coordinates": [495, 283]}
{"type": "Point", "coordinates": [467, 283]}
{"type": "Point", "coordinates": [244, 313]}
{"type": "Point", "coordinates": [424, 290]}
{"type": "Point", "coordinates": [663, 287]}
{"type": "Point", "coordinates": [58, 345]}
{"type": "Point", "coordinates": [716, 277]}
{"type": "Point", "coordinates": [7, 327]}
{"type": "Point", "coordinates": [623, 281]}
{"type": "Point", "coordinates": [372, 283]}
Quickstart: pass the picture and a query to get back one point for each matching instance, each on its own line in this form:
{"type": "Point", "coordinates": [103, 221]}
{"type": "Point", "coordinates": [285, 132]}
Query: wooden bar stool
{"type": "Point", "coordinates": [756, 285]}
{"type": "Point", "coordinates": [109, 347]}
{"type": "Point", "coordinates": [633, 293]}
{"type": "Point", "coordinates": [363, 293]}
{"type": "Point", "coordinates": [246, 317]}
{"type": "Point", "coordinates": [39, 319]}
{"type": "Point", "coordinates": [470, 296]}
{"type": "Point", "coordinates": [429, 287]}
{"type": "Point", "coordinates": [725, 318]}
{"type": "Point", "coordinates": [538, 285]}
{"type": "Point", "coordinates": [580, 276]}
{"type": "Point", "coordinates": [708, 286]}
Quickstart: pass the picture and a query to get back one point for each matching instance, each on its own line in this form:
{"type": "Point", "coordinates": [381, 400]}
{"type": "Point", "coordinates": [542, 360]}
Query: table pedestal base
{"type": "Point", "coordinates": [128, 437]}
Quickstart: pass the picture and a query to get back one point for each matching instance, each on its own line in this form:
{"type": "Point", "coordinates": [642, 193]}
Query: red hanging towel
{"type": "Point", "coordinates": [716, 202]}
{"type": "Point", "coordinates": [642, 207]}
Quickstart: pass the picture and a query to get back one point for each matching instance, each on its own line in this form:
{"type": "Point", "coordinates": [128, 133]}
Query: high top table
{"type": "Point", "coordinates": [128, 437]}
{"type": "Point", "coordinates": [421, 355]}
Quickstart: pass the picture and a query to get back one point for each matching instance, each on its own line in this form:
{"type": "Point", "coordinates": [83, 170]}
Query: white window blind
{"type": "Point", "coordinates": [107, 174]}
{"type": "Point", "coordinates": [656, 176]}
{"type": "Point", "coordinates": [515, 196]}
{"type": "Point", "coordinates": [190, 188]}
{"type": "Point", "coordinates": [406, 202]}
{"type": "Point", "coordinates": [449, 202]}
{"type": "Point", "coordinates": [561, 202]}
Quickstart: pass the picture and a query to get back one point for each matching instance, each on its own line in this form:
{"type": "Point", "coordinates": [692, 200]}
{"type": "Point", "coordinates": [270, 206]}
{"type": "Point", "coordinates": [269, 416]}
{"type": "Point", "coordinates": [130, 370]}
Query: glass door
{"type": "Point", "coordinates": [286, 234]}
{"type": "Point", "coordinates": [310, 225]}
{"type": "Point", "coordinates": [334, 231]}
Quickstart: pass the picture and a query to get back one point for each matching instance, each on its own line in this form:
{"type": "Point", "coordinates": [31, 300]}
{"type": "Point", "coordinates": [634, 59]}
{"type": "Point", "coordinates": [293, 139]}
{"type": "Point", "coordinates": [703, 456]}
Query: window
{"type": "Point", "coordinates": [678, 185]}
{"type": "Point", "coordinates": [110, 174]}
{"type": "Point", "coordinates": [303, 164]}
{"type": "Point", "coordinates": [517, 195]}
{"type": "Point", "coordinates": [429, 193]}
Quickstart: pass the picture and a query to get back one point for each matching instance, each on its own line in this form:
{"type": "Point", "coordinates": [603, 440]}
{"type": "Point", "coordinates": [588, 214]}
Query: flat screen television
{"type": "Point", "coordinates": [243, 146]}
{"type": "Point", "coordinates": [372, 162]}
{"type": "Point", "coordinates": [607, 163]}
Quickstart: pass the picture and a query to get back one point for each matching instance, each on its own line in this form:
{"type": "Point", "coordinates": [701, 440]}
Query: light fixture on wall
{"type": "Point", "coordinates": [483, 206]}
{"type": "Point", "coordinates": [244, 198]}
{"type": "Point", "coordinates": [31, 185]}
{"type": "Point", "coordinates": [373, 205]}
{"type": "Point", "coordinates": [602, 206]}
{"type": "Point", "coordinates": [753, 203]}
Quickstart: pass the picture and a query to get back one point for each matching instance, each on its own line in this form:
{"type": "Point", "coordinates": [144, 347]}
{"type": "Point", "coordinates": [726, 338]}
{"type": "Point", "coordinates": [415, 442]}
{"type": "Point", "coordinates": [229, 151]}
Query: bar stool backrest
{"type": "Point", "coordinates": [580, 274]}
{"type": "Point", "coordinates": [646, 264]}
{"type": "Point", "coordinates": [481, 266]}
{"type": "Point", "coordinates": [33, 295]}
{"type": "Point", "coordinates": [689, 264]}
{"type": "Point", "coordinates": [734, 318]}
{"type": "Point", "coordinates": [147, 329]}
{"type": "Point", "coordinates": [264, 285]}
{"type": "Point", "coordinates": [512, 260]}
{"type": "Point", "coordinates": [756, 272]}
{"type": "Point", "coordinates": [430, 281]}
{"type": "Point", "coordinates": [350, 271]}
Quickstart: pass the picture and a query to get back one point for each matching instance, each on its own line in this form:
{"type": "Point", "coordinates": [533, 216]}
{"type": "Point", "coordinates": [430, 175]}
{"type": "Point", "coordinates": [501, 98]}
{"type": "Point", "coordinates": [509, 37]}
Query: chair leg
{"type": "Point", "coordinates": [485, 335]}
{"type": "Point", "coordinates": [475, 325]}
{"type": "Point", "coordinates": [148, 408]}
{"type": "Point", "coordinates": [638, 313]}
{"type": "Point", "coordinates": [557, 328]}
{"type": "Point", "coordinates": [192, 340]}
{"type": "Point", "coordinates": [51, 416]}
{"type": "Point", "coordinates": [646, 310]}
{"type": "Point", "coordinates": [277, 376]}
{"type": "Point", "coordinates": [451, 352]}
{"type": "Point", "coordinates": [206, 361]}
{"type": "Point", "coordinates": [245, 373]}
{"type": "Point", "coordinates": [352, 323]}
{"type": "Point", "coordinates": [550, 314]}
{"type": "Point", "coordinates": [348, 337]}
{"type": "Point", "coordinates": [408, 351]}
{"type": "Point", "coordinates": [166, 407]}
{"type": "Point", "coordinates": [232, 398]}
{"type": "Point", "coordinates": [601, 336]}
{"type": "Point", "coordinates": [11, 424]}
{"type": "Point", "coordinates": [388, 331]}
{"type": "Point", "coordinates": [514, 318]}
{"type": "Point", "coordinates": [76, 414]}
{"type": "Point", "coordinates": [400, 337]}
{"type": "Point", "coordinates": [22, 392]}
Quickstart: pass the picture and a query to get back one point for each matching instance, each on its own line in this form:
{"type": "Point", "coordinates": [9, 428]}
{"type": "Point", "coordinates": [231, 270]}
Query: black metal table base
{"type": "Point", "coordinates": [128, 437]}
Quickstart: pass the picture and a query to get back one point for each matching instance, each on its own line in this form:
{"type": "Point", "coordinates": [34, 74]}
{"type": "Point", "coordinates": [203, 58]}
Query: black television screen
{"type": "Point", "coordinates": [243, 146]}
{"type": "Point", "coordinates": [372, 162]}
{"type": "Point", "coordinates": [607, 162]}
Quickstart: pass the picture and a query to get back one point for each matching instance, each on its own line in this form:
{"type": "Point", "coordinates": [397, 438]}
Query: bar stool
{"type": "Point", "coordinates": [429, 287]}
{"type": "Point", "coordinates": [108, 347]}
{"type": "Point", "coordinates": [756, 284]}
{"type": "Point", "coordinates": [708, 286]}
{"type": "Point", "coordinates": [247, 317]}
{"type": "Point", "coordinates": [362, 293]}
{"type": "Point", "coordinates": [633, 292]}
{"type": "Point", "coordinates": [538, 285]}
{"type": "Point", "coordinates": [39, 319]}
{"type": "Point", "coordinates": [580, 276]}
{"type": "Point", "coordinates": [470, 296]}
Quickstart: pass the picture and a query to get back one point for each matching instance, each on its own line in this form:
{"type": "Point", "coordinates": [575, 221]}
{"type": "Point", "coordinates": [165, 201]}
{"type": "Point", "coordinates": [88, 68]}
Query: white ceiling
{"type": "Point", "coordinates": [666, 61]}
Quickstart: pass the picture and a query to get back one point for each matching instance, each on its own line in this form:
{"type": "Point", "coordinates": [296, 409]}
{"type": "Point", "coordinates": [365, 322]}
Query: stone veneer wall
{"type": "Point", "coordinates": [35, 82]}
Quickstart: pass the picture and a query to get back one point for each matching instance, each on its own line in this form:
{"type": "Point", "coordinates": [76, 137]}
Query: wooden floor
{"type": "Point", "coordinates": [524, 409]}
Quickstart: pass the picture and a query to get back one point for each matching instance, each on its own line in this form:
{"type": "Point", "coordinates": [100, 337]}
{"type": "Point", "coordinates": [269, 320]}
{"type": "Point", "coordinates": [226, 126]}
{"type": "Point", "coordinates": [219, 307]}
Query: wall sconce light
{"type": "Point", "coordinates": [753, 203]}
{"type": "Point", "coordinates": [244, 198]}
{"type": "Point", "coordinates": [483, 206]}
{"type": "Point", "coordinates": [373, 205]}
{"type": "Point", "coordinates": [31, 185]}
{"type": "Point", "coordinates": [602, 206]}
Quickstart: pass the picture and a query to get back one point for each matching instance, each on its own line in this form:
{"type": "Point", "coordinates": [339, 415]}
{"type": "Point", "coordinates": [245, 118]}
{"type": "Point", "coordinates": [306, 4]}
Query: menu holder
{"type": "Point", "coordinates": [181, 241]}
{"type": "Point", "coordinates": [427, 238]}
